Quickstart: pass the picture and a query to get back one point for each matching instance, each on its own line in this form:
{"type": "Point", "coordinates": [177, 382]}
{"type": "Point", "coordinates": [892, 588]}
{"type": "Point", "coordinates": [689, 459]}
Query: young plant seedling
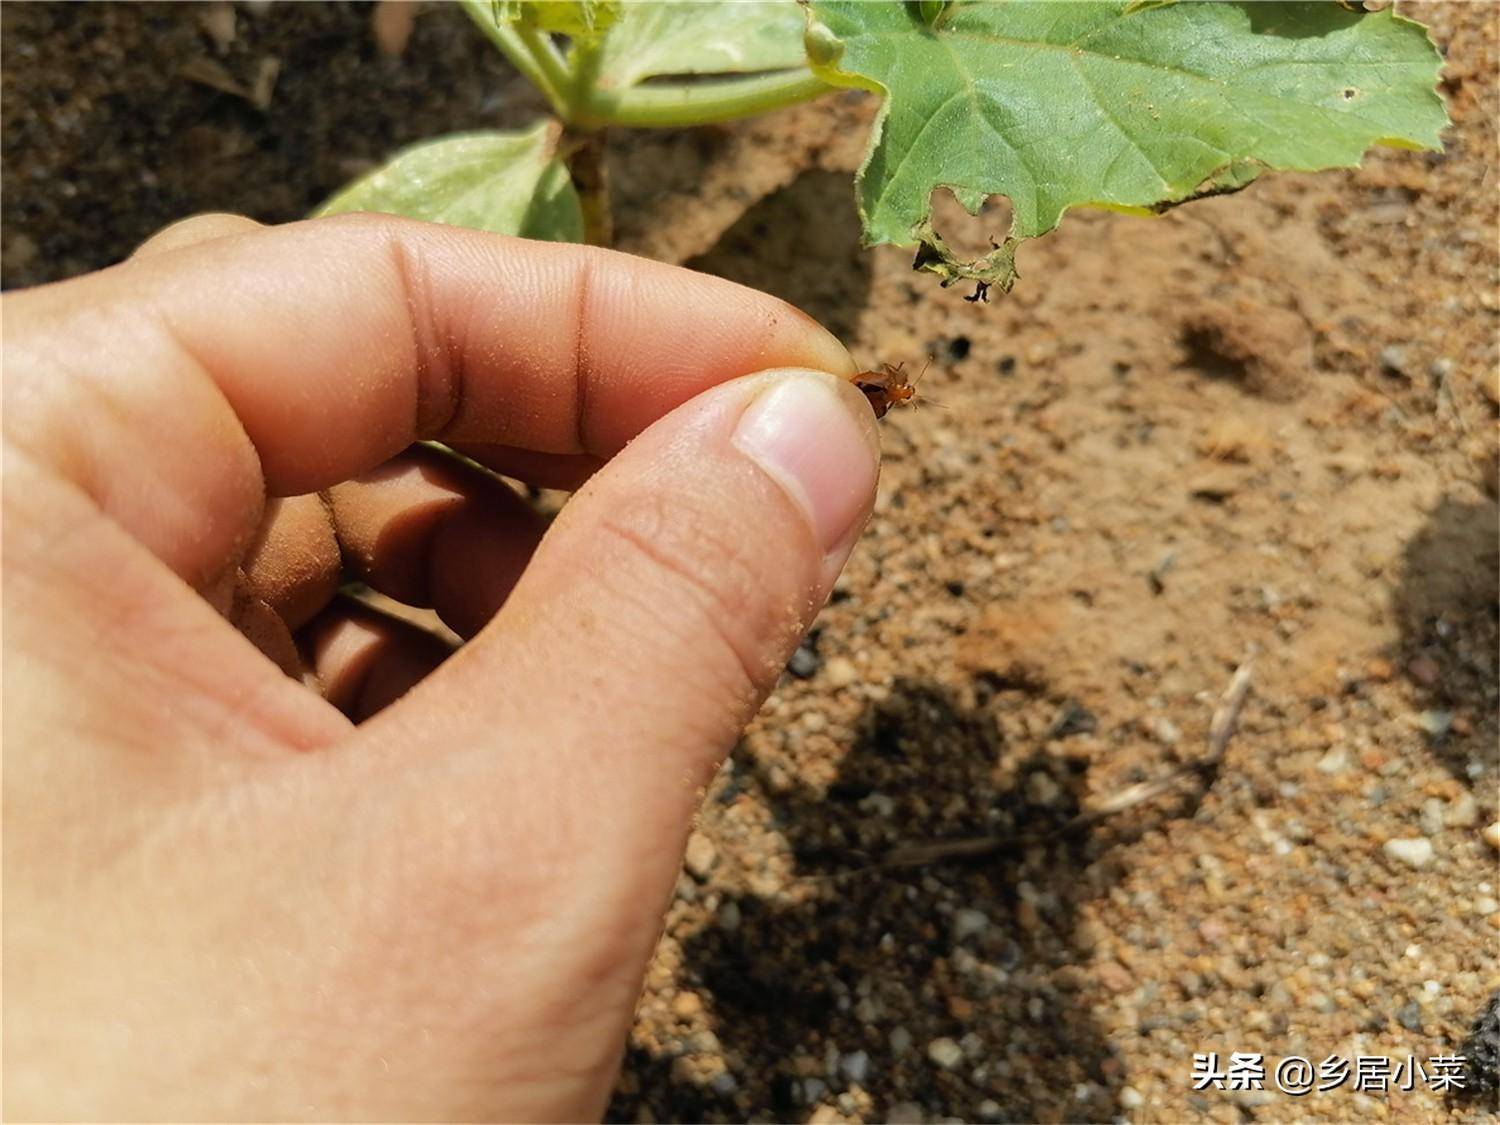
{"type": "Point", "coordinates": [1132, 105]}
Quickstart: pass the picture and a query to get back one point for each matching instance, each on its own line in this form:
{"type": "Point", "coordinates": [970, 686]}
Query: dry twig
{"type": "Point", "coordinates": [1221, 729]}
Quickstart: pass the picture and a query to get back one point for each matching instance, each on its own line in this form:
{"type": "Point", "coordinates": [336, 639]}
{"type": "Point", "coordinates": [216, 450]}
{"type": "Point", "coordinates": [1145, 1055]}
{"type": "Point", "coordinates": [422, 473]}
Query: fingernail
{"type": "Point", "coordinates": [812, 442]}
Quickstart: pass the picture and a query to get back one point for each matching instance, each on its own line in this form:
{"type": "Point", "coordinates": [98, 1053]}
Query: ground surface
{"type": "Point", "coordinates": [1264, 425]}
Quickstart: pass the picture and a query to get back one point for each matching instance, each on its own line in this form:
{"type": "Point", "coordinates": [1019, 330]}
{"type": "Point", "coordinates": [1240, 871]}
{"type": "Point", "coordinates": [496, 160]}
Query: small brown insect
{"type": "Point", "coordinates": [888, 386]}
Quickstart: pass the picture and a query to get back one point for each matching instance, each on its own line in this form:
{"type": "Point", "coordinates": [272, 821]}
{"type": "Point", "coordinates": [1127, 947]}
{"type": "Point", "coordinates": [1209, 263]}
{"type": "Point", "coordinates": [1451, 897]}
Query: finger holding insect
{"type": "Point", "coordinates": [353, 337]}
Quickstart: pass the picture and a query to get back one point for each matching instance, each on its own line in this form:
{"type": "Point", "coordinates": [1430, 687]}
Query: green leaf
{"type": "Point", "coordinates": [1126, 104]}
{"type": "Point", "coordinates": [509, 183]}
{"type": "Point", "coordinates": [657, 39]}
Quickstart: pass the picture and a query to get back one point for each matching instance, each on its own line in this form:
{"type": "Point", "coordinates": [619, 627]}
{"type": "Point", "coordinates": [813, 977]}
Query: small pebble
{"type": "Point", "coordinates": [1409, 1016]}
{"type": "Point", "coordinates": [905, 1113]}
{"type": "Point", "coordinates": [1073, 718]}
{"type": "Point", "coordinates": [1334, 761]}
{"type": "Point", "coordinates": [969, 923]}
{"type": "Point", "coordinates": [989, 1109]}
{"type": "Point", "coordinates": [840, 672]}
{"type": "Point", "coordinates": [1393, 361]}
{"type": "Point", "coordinates": [1424, 669]}
{"type": "Point", "coordinates": [1462, 812]}
{"type": "Point", "coordinates": [1130, 1098]}
{"type": "Point", "coordinates": [702, 857]}
{"type": "Point", "coordinates": [1042, 789]}
{"type": "Point", "coordinates": [1431, 819]}
{"type": "Point", "coordinates": [1484, 905]}
{"type": "Point", "coordinates": [1213, 930]}
{"type": "Point", "coordinates": [855, 1067]}
{"type": "Point", "coordinates": [805, 662]}
{"type": "Point", "coordinates": [729, 916]}
{"type": "Point", "coordinates": [1435, 723]}
{"type": "Point", "coordinates": [813, 1090]}
{"type": "Point", "coordinates": [945, 1052]}
{"type": "Point", "coordinates": [1415, 852]}
{"type": "Point", "coordinates": [900, 1040]}
{"type": "Point", "coordinates": [1027, 916]}
{"type": "Point", "coordinates": [878, 804]}
{"type": "Point", "coordinates": [724, 1084]}
{"type": "Point", "coordinates": [1491, 834]}
{"type": "Point", "coordinates": [1115, 977]}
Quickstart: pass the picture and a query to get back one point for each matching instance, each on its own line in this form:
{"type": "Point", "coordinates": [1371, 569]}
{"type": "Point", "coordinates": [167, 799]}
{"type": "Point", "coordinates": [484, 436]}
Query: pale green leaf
{"type": "Point", "coordinates": [508, 183]}
{"type": "Point", "coordinates": [655, 39]}
{"type": "Point", "coordinates": [1119, 104]}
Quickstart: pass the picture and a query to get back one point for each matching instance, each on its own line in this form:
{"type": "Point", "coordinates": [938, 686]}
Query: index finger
{"type": "Point", "coordinates": [291, 358]}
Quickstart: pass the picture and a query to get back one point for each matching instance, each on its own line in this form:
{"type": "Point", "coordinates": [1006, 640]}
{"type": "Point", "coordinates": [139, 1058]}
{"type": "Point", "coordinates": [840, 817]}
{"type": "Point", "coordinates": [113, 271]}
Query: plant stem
{"type": "Point", "coordinates": [569, 85]}
{"type": "Point", "coordinates": [541, 74]}
{"type": "Point", "coordinates": [699, 104]}
{"type": "Point", "coordinates": [539, 43]}
{"type": "Point", "coordinates": [583, 57]}
{"type": "Point", "coordinates": [585, 160]}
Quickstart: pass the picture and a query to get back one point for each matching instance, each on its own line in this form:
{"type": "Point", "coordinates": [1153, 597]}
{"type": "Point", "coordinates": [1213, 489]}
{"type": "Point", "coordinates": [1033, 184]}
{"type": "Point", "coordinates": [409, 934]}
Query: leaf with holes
{"type": "Point", "coordinates": [1128, 105]}
{"type": "Point", "coordinates": [509, 183]}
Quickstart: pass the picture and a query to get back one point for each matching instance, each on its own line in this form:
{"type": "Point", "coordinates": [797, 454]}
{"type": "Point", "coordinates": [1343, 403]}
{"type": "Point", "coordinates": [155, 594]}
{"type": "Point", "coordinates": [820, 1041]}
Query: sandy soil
{"type": "Point", "coordinates": [1261, 428]}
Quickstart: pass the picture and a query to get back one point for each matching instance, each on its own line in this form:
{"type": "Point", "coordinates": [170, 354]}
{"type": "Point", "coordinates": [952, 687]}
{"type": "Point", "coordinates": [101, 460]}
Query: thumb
{"type": "Point", "coordinates": [654, 618]}
{"type": "Point", "coordinates": [538, 828]}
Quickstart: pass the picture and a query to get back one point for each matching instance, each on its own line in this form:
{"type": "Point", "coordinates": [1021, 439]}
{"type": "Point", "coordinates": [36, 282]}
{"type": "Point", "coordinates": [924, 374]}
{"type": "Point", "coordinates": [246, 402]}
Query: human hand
{"type": "Point", "coordinates": [223, 898]}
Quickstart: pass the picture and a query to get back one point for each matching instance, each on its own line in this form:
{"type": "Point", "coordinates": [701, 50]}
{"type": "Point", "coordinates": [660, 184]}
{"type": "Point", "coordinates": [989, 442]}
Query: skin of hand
{"type": "Point", "coordinates": [229, 897]}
